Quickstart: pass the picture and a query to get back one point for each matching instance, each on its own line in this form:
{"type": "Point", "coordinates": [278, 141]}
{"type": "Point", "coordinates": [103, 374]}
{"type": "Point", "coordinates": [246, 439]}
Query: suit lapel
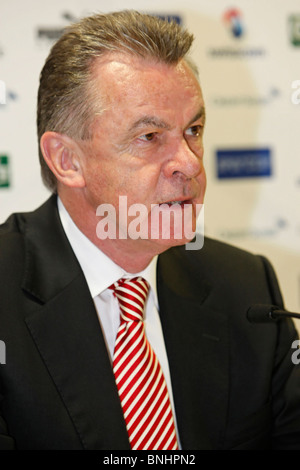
{"type": "Point", "coordinates": [196, 338]}
{"type": "Point", "coordinates": [66, 330]}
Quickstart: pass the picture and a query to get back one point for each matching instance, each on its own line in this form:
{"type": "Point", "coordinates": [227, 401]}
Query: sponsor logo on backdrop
{"type": "Point", "coordinates": [236, 53]}
{"type": "Point", "coordinates": [244, 163]}
{"type": "Point", "coordinates": [252, 100]}
{"type": "Point", "coordinates": [294, 29]}
{"type": "Point", "coordinates": [50, 34]}
{"type": "Point", "coordinates": [6, 95]}
{"type": "Point", "coordinates": [272, 230]}
{"type": "Point", "coordinates": [4, 171]}
{"type": "Point", "coordinates": [169, 17]}
{"type": "Point", "coordinates": [232, 20]}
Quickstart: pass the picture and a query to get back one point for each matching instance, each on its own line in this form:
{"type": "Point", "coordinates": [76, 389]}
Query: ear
{"type": "Point", "coordinates": [62, 155]}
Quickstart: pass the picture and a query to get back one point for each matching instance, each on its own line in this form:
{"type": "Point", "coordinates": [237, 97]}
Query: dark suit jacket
{"type": "Point", "coordinates": [234, 383]}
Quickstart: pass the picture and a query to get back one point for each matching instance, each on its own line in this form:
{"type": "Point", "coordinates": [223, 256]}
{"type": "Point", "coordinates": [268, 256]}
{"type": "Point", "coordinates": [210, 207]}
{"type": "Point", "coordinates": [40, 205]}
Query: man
{"type": "Point", "coordinates": [121, 114]}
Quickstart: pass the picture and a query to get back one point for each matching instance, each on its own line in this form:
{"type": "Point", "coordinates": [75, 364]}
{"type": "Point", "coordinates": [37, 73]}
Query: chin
{"type": "Point", "coordinates": [164, 245]}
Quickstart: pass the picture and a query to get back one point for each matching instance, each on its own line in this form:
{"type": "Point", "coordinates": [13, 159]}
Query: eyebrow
{"type": "Point", "coordinates": [201, 114]}
{"type": "Point", "coordinates": [161, 124]}
{"type": "Point", "coordinates": [149, 121]}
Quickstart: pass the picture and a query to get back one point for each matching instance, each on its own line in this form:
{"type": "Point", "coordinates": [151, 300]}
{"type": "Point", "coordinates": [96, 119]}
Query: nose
{"type": "Point", "coordinates": [184, 162]}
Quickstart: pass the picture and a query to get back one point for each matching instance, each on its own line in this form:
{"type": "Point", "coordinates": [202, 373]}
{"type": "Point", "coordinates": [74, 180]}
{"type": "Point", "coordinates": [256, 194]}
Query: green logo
{"type": "Point", "coordinates": [294, 29]}
{"type": "Point", "coordinates": [4, 171]}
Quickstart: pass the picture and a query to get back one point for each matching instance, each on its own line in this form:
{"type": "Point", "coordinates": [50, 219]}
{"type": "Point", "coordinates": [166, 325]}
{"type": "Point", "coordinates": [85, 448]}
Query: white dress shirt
{"type": "Point", "coordinates": [100, 272]}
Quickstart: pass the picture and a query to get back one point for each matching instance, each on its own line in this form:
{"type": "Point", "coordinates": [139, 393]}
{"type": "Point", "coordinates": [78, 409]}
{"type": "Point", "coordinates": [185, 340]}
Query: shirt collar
{"type": "Point", "coordinates": [99, 270]}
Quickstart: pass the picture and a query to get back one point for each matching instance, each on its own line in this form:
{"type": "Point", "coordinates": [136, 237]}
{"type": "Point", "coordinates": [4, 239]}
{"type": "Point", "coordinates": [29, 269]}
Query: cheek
{"type": "Point", "coordinates": [99, 184]}
{"type": "Point", "coordinates": [111, 175]}
{"type": "Point", "coordinates": [202, 183]}
{"type": "Point", "coordinates": [138, 180]}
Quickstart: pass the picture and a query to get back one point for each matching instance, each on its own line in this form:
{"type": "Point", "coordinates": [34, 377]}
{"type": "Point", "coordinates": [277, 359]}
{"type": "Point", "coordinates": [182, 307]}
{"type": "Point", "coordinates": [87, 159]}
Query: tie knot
{"type": "Point", "coordinates": [132, 295]}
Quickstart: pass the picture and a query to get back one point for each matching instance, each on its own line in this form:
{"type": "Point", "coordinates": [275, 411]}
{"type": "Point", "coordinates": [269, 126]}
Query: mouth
{"type": "Point", "coordinates": [181, 202]}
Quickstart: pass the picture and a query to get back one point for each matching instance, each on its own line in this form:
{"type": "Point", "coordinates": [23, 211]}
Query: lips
{"type": "Point", "coordinates": [178, 201]}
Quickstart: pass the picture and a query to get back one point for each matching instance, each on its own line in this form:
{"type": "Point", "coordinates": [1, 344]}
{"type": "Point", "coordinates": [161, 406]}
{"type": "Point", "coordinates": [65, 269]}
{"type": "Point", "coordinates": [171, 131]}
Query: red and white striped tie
{"type": "Point", "coordinates": [142, 388]}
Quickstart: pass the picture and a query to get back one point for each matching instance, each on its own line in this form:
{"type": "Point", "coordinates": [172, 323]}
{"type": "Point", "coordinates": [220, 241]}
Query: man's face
{"type": "Point", "coordinates": [147, 140]}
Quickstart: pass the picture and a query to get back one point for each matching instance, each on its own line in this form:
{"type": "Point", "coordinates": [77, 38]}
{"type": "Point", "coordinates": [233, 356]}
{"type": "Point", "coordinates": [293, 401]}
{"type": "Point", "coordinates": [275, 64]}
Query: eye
{"type": "Point", "coordinates": [148, 137]}
{"type": "Point", "coordinates": [194, 131]}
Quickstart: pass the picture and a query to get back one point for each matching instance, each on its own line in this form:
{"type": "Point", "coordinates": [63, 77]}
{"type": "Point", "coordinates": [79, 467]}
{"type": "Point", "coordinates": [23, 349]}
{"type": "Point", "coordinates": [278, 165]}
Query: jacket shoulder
{"type": "Point", "coordinates": [215, 255]}
{"type": "Point", "coordinates": [13, 234]}
{"type": "Point", "coordinates": [229, 268]}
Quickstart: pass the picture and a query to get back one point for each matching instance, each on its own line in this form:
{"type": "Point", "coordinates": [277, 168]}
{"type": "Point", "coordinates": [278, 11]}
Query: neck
{"type": "Point", "coordinates": [129, 261]}
{"type": "Point", "coordinates": [131, 255]}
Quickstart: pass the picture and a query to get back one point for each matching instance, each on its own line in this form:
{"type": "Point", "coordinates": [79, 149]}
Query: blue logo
{"type": "Point", "coordinates": [244, 163]}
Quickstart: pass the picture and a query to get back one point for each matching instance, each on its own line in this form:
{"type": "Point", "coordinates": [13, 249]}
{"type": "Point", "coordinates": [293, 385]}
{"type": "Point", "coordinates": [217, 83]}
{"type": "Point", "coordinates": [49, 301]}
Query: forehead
{"type": "Point", "coordinates": [132, 85]}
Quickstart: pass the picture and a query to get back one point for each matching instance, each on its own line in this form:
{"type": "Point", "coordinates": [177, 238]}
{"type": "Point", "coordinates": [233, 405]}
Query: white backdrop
{"type": "Point", "coordinates": [248, 54]}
